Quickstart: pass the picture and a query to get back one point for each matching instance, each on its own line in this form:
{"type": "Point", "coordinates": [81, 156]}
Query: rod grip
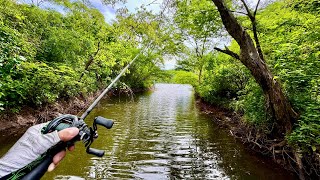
{"type": "Point", "coordinates": [40, 170]}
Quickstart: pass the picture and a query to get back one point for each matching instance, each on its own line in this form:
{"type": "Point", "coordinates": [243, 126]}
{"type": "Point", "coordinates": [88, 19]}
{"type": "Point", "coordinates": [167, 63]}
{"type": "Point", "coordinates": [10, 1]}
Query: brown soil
{"type": "Point", "coordinates": [304, 165]}
{"type": "Point", "coordinates": [16, 123]}
{"type": "Point", "coordinates": [224, 118]}
{"type": "Point", "coordinates": [256, 142]}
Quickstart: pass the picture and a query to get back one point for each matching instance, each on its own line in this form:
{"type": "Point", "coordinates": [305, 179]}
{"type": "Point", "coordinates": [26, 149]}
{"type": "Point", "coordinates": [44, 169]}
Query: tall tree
{"type": "Point", "coordinates": [197, 23]}
{"type": "Point", "coordinates": [251, 56]}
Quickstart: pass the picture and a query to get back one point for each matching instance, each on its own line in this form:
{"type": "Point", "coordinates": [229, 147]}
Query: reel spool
{"type": "Point", "coordinates": [86, 134]}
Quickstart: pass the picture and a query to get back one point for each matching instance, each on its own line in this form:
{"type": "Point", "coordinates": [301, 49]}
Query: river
{"type": "Point", "coordinates": [161, 134]}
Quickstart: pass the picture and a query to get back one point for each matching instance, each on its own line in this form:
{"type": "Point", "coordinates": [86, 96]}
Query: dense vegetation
{"type": "Point", "coordinates": [180, 77]}
{"type": "Point", "coordinates": [289, 38]}
{"type": "Point", "coordinates": [46, 55]}
{"type": "Point", "coordinates": [269, 73]}
{"type": "Point", "coordinates": [291, 46]}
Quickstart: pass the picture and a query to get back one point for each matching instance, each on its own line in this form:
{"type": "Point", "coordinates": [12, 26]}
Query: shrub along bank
{"type": "Point", "coordinates": [289, 37]}
{"type": "Point", "coordinates": [46, 55]}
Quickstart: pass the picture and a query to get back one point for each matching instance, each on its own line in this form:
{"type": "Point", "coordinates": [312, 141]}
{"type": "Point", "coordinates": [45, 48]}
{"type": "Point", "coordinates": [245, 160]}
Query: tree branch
{"type": "Point", "coordinates": [255, 33]}
{"type": "Point", "coordinates": [254, 27]}
{"type": "Point", "coordinates": [247, 9]}
{"type": "Point", "coordinates": [256, 39]}
{"type": "Point", "coordinates": [256, 9]}
{"type": "Point", "coordinates": [228, 52]}
{"type": "Point", "coordinates": [239, 12]}
{"type": "Point", "coordinates": [153, 2]}
{"type": "Point", "coordinates": [203, 48]}
{"type": "Point", "coordinates": [90, 61]}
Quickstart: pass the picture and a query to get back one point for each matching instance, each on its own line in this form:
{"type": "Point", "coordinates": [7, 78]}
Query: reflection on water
{"type": "Point", "coordinates": [162, 135]}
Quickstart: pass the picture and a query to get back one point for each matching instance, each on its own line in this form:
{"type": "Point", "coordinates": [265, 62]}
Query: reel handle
{"type": "Point", "coordinates": [95, 152]}
{"type": "Point", "coordinates": [107, 123]}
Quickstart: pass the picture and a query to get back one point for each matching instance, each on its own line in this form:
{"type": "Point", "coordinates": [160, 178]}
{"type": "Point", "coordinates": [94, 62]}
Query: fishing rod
{"type": "Point", "coordinates": [36, 169]}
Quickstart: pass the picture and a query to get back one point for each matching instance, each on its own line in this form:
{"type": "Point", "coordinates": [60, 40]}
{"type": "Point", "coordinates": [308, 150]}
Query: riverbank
{"type": "Point", "coordinates": [162, 135]}
{"type": "Point", "coordinates": [16, 123]}
{"type": "Point", "coordinates": [256, 142]}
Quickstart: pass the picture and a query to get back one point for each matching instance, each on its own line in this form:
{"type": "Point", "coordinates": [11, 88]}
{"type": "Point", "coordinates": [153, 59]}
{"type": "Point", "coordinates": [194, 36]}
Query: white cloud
{"type": "Point", "coordinates": [108, 12]}
{"type": "Point", "coordinates": [170, 64]}
{"type": "Point", "coordinates": [153, 5]}
{"type": "Point", "coordinates": [132, 6]}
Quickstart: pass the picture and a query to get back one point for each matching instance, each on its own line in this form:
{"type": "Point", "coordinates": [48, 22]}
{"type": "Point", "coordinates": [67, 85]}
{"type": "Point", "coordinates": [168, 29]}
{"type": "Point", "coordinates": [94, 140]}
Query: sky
{"type": "Point", "coordinates": [109, 12]}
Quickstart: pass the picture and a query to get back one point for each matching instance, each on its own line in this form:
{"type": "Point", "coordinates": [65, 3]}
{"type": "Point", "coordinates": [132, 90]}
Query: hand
{"type": "Point", "coordinates": [64, 135]}
{"type": "Point", "coordinates": [31, 145]}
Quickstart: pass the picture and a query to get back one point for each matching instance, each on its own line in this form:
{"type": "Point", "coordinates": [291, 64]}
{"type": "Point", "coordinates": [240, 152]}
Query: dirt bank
{"type": "Point", "coordinates": [15, 123]}
{"type": "Point", "coordinates": [256, 141]}
{"type": "Point", "coordinates": [305, 165]}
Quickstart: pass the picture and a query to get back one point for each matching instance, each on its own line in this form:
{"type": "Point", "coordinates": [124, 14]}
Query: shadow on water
{"type": "Point", "coordinates": [162, 135]}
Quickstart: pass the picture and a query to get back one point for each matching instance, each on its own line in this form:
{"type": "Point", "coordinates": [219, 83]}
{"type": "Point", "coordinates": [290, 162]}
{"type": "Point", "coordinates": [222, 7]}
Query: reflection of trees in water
{"type": "Point", "coordinates": [193, 157]}
{"type": "Point", "coordinates": [162, 135]}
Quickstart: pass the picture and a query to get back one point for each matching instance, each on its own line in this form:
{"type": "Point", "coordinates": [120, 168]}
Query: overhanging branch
{"type": "Point", "coordinates": [252, 17]}
{"type": "Point", "coordinates": [256, 9]}
{"type": "Point", "coordinates": [228, 52]}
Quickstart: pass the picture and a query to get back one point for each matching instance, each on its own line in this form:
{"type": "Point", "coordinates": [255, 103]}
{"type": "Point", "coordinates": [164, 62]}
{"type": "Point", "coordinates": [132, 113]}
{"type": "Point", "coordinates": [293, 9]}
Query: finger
{"type": "Point", "coordinates": [68, 133]}
{"type": "Point", "coordinates": [58, 157]}
{"type": "Point", "coordinates": [51, 167]}
{"type": "Point", "coordinates": [71, 148]}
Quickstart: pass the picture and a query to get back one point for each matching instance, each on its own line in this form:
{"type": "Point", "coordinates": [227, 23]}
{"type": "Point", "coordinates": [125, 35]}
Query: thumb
{"type": "Point", "coordinates": [68, 133]}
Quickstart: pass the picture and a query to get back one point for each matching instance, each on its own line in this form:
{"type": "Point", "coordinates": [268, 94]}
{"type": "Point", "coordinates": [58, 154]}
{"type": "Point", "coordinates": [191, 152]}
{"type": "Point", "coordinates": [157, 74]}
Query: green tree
{"type": "Point", "coordinates": [197, 23]}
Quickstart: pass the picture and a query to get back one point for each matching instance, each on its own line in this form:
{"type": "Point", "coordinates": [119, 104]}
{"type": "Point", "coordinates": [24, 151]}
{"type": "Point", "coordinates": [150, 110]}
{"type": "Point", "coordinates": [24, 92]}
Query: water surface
{"type": "Point", "coordinates": [162, 135]}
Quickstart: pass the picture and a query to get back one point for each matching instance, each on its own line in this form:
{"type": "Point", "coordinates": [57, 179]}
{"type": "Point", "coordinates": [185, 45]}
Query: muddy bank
{"type": "Point", "coordinates": [256, 142]}
{"type": "Point", "coordinates": [225, 118]}
{"type": "Point", "coordinates": [304, 165]}
{"type": "Point", "coordinates": [16, 123]}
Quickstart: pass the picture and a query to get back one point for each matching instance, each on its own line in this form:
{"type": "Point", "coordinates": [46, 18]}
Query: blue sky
{"type": "Point", "coordinates": [109, 12]}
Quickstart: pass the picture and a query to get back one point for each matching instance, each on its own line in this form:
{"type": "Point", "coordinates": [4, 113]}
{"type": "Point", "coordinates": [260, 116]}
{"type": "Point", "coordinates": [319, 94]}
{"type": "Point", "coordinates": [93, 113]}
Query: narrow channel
{"type": "Point", "coordinates": [161, 134]}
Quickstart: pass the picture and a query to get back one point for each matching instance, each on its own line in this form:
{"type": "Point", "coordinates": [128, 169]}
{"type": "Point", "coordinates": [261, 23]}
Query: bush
{"type": "Point", "coordinates": [182, 77]}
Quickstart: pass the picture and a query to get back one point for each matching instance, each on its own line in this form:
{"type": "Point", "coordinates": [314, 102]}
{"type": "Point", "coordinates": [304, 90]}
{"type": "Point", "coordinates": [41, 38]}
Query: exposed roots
{"type": "Point", "coordinates": [306, 166]}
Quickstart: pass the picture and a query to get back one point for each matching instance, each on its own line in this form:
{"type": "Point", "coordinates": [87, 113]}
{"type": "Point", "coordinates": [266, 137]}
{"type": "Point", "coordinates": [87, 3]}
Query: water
{"type": "Point", "coordinates": [162, 135]}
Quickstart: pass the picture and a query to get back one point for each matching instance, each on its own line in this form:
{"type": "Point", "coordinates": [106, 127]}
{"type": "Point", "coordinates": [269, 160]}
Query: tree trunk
{"type": "Point", "coordinates": [200, 75]}
{"type": "Point", "coordinates": [279, 104]}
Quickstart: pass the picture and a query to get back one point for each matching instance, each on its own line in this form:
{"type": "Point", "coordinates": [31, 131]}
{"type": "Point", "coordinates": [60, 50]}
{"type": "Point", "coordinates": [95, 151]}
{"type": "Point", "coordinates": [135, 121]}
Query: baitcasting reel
{"type": "Point", "coordinates": [86, 134]}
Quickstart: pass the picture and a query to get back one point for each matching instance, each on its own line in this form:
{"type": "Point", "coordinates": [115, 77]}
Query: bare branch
{"type": "Point", "coordinates": [228, 52]}
{"type": "Point", "coordinates": [256, 39]}
{"type": "Point", "coordinates": [204, 42]}
{"type": "Point", "coordinates": [153, 2]}
{"type": "Point", "coordinates": [239, 12]}
{"type": "Point", "coordinates": [256, 9]}
{"type": "Point", "coordinates": [247, 8]}
{"type": "Point", "coordinates": [254, 27]}
{"type": "Point", "coordinates": [90, 61]}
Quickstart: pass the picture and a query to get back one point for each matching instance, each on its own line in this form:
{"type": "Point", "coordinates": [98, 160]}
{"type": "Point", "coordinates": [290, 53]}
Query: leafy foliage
{"type": "Point", "coordinates": [181, 77]}
{"type": "Point", "coordinates": [291, 43]}
{"type": "Point", "coordinates": [289, 36]}
{"type": "Point", "coordinates": [46, 55]}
